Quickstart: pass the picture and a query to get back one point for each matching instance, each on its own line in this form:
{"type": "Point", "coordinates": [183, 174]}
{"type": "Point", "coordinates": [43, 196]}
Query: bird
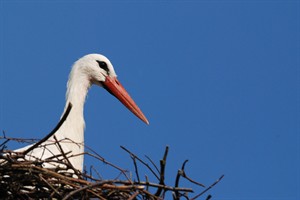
{"type": "Point", "coordinates": [91, 69]}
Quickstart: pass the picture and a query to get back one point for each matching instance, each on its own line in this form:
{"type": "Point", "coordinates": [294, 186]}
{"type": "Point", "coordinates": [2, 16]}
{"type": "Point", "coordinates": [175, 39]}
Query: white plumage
{"type": "Point", "coordinates": [88, 70]}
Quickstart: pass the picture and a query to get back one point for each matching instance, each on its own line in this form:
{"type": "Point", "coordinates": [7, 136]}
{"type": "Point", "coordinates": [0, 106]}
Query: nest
{"type": "Point", "coordinates": [24, 178]}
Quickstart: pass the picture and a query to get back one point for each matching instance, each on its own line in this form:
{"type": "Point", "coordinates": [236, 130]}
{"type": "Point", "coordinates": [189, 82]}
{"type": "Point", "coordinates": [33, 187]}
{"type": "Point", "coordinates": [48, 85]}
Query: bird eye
{"type": "Point", "coordinates": [103, 66]}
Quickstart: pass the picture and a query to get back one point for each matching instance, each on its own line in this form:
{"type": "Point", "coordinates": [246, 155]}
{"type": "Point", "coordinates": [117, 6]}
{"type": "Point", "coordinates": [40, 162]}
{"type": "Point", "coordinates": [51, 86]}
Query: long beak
{"type": "Point", "coordinates": [114, 87]}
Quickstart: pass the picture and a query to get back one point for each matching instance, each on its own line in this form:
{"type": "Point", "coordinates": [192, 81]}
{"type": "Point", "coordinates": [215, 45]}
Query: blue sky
{"type": "Point", "coordinates": [218, 81]}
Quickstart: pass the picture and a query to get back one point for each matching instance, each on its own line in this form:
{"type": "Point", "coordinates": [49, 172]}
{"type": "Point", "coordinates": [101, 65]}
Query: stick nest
{"type": "Point", "coordinates": [22, 177]}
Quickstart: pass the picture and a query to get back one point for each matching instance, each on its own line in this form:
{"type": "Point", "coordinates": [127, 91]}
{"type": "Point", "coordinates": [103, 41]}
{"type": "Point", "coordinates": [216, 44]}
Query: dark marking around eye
{"type": "Point", "coordinates": [103, 66]}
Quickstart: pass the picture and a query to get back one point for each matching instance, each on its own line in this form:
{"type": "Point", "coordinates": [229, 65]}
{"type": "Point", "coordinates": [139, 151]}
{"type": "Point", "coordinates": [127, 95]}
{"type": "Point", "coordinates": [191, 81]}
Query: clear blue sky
{"type": "Point", "coordinates": [218, 81]}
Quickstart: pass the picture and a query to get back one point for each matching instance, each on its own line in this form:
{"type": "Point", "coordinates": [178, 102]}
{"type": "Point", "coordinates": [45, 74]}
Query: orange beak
{"type": "Point", "coordinates": [114, 87]}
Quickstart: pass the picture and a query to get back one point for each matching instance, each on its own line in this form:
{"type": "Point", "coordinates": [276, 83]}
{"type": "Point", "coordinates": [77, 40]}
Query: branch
{"type": "Point", "coordinates": [132, 154]}
{"type": "Point", "coordinates": [212, 185]}
{"type": "Point", "coordinates": [162, 171]}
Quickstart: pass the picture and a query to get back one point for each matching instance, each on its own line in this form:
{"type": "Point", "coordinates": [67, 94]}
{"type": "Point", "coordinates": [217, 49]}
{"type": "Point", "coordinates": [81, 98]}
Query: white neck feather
{"type": "Point", "coordinates": [73, 128]}
{"type": "Point", "coordinates": [77, 88]}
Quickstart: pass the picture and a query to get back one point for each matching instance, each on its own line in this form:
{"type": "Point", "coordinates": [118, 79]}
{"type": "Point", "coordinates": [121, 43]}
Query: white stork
{"type": "Point", "coordinates": [88, 70]}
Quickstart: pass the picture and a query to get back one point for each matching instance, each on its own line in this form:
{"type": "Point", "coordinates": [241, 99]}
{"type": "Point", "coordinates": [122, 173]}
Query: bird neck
{"type": "Point", "coordinates": [77, 88]}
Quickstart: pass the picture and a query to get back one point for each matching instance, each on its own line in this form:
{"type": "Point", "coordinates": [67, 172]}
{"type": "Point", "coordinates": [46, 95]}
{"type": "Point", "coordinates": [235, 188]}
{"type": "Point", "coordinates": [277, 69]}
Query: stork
{"type": "Point", "coordinates": [92, 69]}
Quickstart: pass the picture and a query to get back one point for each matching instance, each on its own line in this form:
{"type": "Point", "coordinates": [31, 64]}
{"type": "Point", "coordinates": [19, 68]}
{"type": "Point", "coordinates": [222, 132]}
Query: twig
{"type": "Point", "coordinates": [82, 189]}
{"type": "Point", "coordinates": [132, 154]}
{"type": "Point", "coordinates": [212, 185]}
{"type": "Point", "coordinates": [108, 163]}
{"type": "Point", "coordinates": [65, 157]}
{"type": "Point", "coordinates": [32, 140]}
{"type": "Point", "coordinates": [3, 146]}
{"type": "Point", "coordinates": [188, 178]}
{"type": "Point", "coordinates": [134, 195]}
{"type": "Point", "coordinates": [50, 185]}
{"type": "Point", "coordinates": [156, 185]}
{"type": "Point", "coordinates": [135, 168]}
{"type": "Point", "coordinates": [152, 163]}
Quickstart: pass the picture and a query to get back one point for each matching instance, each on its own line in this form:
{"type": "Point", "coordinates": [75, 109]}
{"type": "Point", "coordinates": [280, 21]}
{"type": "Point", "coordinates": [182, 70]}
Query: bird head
{"type": "Point", "coordinates": [99, 71]}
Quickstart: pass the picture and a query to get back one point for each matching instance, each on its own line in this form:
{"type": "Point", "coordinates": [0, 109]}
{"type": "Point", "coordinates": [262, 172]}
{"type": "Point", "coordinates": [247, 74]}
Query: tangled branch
{"type": "Point", "coordinates": [22, 177]}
